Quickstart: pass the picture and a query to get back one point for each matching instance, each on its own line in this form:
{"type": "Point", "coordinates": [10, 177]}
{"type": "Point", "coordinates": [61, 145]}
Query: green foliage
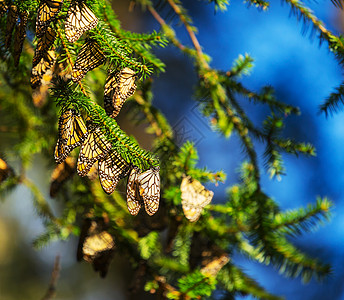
{"type": "Point", "coordinates": [196, 285]}
{"type": "Point", "coordinates": [172, 250]}
{"type": "Point", "coordinates": [334, 102]}
{"type": "Point", "coordinates": [220, 4]}
{"type": "Point", "coordinates": [149, 244]}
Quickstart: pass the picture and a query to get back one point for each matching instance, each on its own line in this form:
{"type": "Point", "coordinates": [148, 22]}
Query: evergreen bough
{"type": "Point", "coordinates": [249, 221]}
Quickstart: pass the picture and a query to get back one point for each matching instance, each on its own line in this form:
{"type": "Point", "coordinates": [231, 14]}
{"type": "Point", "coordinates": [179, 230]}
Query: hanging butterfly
{"type": "Point", "coordinates": [72, 132]}
{"type": "Point", "coordinates": [133, 194]}
{"type": "Point", "coordinates": [194, 198]}
{"type": "Point", "coordinates": [79, 19]}
{"type": "Point", "coordinates": [46, 63]}
{"type": "Point", "coordinates": [11, 21]}
{"type": "Point", "coordinates": [61, 173]}
{"type": "Point", "coordinates": [47, 12]}
{"type": "Point", "coordinates": [149, 184]}
{"type": "Point", "coordinates": [118, 87]}
{"type": "Point", "coordinates": [94, 148]}
{"type": "Point", "coordinates": [111, 169]}
{"type": "Point", "coordinates": [96, 245]}
{"type": "Point", "coordinates": [19, 37]}
{"type": "Point", "coordinates": [143, 188]}
{"type": "Point", "coordinates": [3, 7]}
{"type": "Point", "coordinates": [43, 45]}
{"type": "Point", "coordinates": [214, 267]}
{"type": "Point", "coordinates": [89, 57]}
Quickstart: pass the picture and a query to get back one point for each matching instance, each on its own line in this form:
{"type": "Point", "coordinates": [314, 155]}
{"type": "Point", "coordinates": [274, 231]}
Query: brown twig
{"type": "Point", "coordinates": [191, 34]}
{"type": "Point", "coordinates": [162, 22]}
{"type": "Point", "coordinates": [140, 100]}
{"type": "Point", "coordinates": [54, 276]}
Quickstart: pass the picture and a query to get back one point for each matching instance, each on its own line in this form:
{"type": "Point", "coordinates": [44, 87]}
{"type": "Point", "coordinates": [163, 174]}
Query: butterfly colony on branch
{"type": "Point", "coordinates": [143, 187]}
{"type": "Point", "coordinates": [120, 85]}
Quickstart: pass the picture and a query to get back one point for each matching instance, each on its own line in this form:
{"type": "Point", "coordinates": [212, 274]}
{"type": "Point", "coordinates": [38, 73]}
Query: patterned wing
{"type": "Point", "coordinates": [194, 198]}
{"type": "Point", "coordinates": [89, 57]}
{"type": "Point", "coordinates": [149, 188]}
{"type": "Point", "coordinates": [118, 88]}
{"type": "Point", "coordinates": [43, 45]}
{"type": "Point", "coordinates": [109, 92]}
{"type": "Point", "coordinates": [11, 21]}
{"type": "Point", "coordinates": [19, 37]}
{"type": "Point", "coordinates": [96, 245]}
{"type": "Point", "coordinates": [94, 148]}
{"type": "Point", "coordinates": [133, 196]}
{"type": "Point", "coordinates": [45, 64]}
{"type": "Point", "coordinates": [111, 169]}
{"type": "Point", "coordinates": [79, 19]}
{"type": "Point", "coordinates": [72, 132]}
{"type": "Point", "coordinates": [47, 12]}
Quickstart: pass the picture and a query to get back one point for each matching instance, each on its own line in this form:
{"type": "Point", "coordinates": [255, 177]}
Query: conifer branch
{"type": "Point", "coordinates": [336, 44]}
{"type": "Point", "coordinates": [250, 222]}
{"type": "Point", "coordinates": [235, 280]}
{"type": "Point", "coordinates": [127, 147]}
{"type": "Point", "coordinates": [293, 222]}
{"type": "Point", "coordinates": [264, 5]}
{"type": "Point", "coordinates": [338, 3]}
{"type": "Point", "coordinates": [169, 32]}
{"type": "Point", "coordinates": [334, 102]}
{"type": "Point", "coordinates": [50, 294]}
{"type": "Point", "coordinates": [41, 204]}
{"type": "Point", "coordinates": [175, 4]}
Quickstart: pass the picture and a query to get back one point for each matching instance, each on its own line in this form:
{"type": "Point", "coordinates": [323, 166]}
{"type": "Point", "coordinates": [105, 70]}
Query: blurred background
{"type": "Point", "coordinates": [302, 73]}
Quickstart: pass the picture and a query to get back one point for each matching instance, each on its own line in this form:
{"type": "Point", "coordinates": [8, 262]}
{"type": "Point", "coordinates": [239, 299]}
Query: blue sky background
{"type": "Point", "coordinates": [303, 74]}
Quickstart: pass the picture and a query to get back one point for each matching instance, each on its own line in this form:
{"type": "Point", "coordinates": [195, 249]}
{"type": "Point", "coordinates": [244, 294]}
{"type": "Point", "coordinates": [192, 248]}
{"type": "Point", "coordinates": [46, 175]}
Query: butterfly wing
{"type": "Point", "coordinates": [133, 196]}
{"type": "Point", "coordinates": [45, 64]}
{"type": "Point", "coordinates": [19, 37]}
{"type": "Point", "coordinates": [72, 132]}
{"type": "Point", "coordinates": [47, 12]}
{"type": "Point", "coordinates": [118, 88]}
{"type": "Point", "coordinates": [43, 45]}
{"type": "Point", "coordinates": [96, 245]}
{"type": "Point", "coordinates": [89, 57]}
{"type": "Point", "coordinates": [111, 169]}
{"type": "Point", "coordinates": [11, 21]}
{"type": "Point", "coordinates": [194, 198]}
{"type": "Point", "coordinates": [94, 148]}
{"type": "Point", "coordinates": [79, 19]}
{"type": "Point", "coordinates": [109, 92]}
{"type": "Point", "coordinates": [149, 188]}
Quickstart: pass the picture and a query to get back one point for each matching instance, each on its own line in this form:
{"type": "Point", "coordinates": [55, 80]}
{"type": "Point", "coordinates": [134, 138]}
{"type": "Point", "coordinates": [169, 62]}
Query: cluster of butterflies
{"type": "Point", "coordinates": [143, 188]}
{"type": "Point", "coordinates": [16, 21]}
{"type": "Point", "coordinates": [120, 84]}
{"type": "Point", "coordinates": [80, 19]}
